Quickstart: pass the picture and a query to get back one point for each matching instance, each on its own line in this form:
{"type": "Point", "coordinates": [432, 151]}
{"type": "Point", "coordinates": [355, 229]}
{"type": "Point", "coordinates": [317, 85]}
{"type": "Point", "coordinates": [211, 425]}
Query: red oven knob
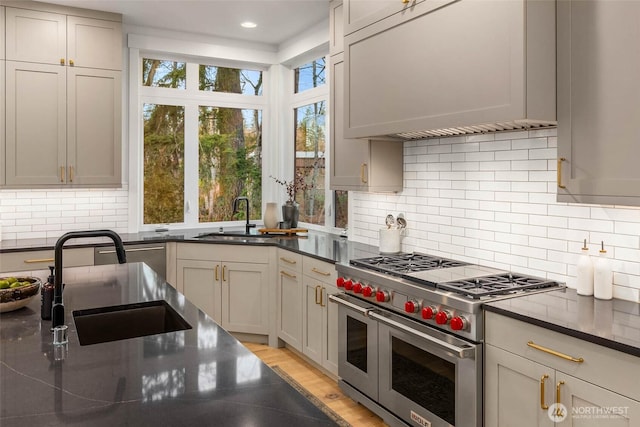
{"type": "Point", "coordinates": [459, 323]}
{"type": "Point", "coordinates": [429, 312]}
{"type": "Point", "coordinates": [367, 291]}
{"type": "Point", "coordinates": [442, 318]}
{"type": "Point", "coordinates": [357, 288]}
{"type": "Point", "coordinates": [382, 296]}
{"type": "Point", "coordinates": [348, 285]}
{"type": "Point", "coordinates": [340, 282]}
{"type": "Point", "coordinates": [412, 306]}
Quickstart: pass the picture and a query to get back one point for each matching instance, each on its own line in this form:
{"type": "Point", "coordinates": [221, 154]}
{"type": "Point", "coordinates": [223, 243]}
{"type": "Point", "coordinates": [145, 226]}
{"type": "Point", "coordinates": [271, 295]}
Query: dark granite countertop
{"type": "Point", "coordinates": [614, 323]}
{"type": "Point", "coordinates": [317, 244]}
{"type": "Point", "coordinates": [201, 376]}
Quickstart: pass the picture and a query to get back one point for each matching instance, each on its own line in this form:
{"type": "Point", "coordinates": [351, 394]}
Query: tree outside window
{"type": "Point", "coordinates": [229, 144]}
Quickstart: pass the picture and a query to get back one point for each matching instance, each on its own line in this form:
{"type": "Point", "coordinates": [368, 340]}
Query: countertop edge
{"type": "Point", "coordinates": [594, 339]}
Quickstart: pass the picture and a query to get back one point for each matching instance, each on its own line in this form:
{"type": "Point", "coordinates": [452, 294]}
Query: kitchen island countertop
{"type": "Point", "coordinates": [200, 376]}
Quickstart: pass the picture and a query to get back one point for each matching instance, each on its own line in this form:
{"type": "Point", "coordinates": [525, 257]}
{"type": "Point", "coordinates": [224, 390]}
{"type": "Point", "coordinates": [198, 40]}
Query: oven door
{"type": "Point", "coordinates": [357, 345]}
{"type": "Point", "coordinates": [428, 377]}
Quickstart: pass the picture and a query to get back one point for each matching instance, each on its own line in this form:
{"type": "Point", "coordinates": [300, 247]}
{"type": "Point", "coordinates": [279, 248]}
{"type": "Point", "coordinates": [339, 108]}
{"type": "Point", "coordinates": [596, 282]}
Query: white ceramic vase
{"type": "Point", "coordinates": [271, 215]}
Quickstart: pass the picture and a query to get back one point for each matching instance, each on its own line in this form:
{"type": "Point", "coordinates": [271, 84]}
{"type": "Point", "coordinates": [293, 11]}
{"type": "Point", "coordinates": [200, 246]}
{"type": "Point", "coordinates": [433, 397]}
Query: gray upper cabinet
{"type": "Point", "coordinates": [359, 164]}
{"type": "Point", "coordinates": [598, 102]}
{"type": "Point", "coordinates": [2, 92]}
{"type": "Point", "coordinates": [336, 27]}
{"type": "Point", "coordinates": [442, 64]}
{"type": "Point", "coordinates": [63, 98]}
{"type": "Point", "coordinates": [361, 13]}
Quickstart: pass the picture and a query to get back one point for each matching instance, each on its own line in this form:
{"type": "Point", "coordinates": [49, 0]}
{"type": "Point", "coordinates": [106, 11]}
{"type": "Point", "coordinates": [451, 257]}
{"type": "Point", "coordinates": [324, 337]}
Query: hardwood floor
{"type": "Point", "coordinates": [320, 385]}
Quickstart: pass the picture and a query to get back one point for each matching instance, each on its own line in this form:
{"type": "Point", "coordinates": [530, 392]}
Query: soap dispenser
{"type": "Point", "coordinates": [46, 296]}
{"type": "Point", "coordinates": [603, 276]}
{"type": "Point", "coordinates": [584, 272]}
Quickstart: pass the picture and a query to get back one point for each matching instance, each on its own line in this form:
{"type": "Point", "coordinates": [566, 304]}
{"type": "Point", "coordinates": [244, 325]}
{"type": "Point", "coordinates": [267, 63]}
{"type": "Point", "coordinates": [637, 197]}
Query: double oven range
{"type": "Point", "coordinates": [411, 331]}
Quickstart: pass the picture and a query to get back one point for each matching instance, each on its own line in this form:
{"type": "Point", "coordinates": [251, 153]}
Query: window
{"type": "Point", "coordinates": [318, 204]}
{"type": "Point", "coordinates": [158, 73]}
{"type": "Point", "coordinates": [202, 144]}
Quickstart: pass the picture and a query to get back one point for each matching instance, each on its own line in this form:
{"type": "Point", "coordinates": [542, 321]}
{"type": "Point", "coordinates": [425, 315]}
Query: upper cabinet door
{"type": "Point", "coordinates": [94, 43]}
{"type": "Point", "coordinates": [360, 13]}
{"type": "Point", "coordinates": [34, 36]}
{"type": "Point", "coordinates": [2, 43]}
{"type": "Point", "coordinates": [598, 102]}
{"type": "Point", "coordinates": [336, 27]}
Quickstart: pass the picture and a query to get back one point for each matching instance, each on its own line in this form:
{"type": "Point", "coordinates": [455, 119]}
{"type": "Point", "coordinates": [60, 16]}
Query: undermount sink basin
{"type": "Point", "coordinates": [235, 236]}
{"type": "Point", "coordinates": [121, 322]}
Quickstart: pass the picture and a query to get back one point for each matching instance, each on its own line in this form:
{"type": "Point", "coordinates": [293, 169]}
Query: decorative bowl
{"type": "Point", "coordinates": [17, 297]}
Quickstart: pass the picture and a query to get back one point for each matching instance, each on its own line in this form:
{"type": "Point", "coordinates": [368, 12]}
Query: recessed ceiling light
{"type": "Point", "coordinates": [248, 24]}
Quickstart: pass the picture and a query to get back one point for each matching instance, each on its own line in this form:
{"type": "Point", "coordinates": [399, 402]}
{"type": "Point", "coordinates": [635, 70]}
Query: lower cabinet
{"type": "Point", "coordinates": [41, 260]}
{"type": "Point", "coordinates": [290, 299]}
{"type": "Point", "coordinates": [229, 283]}
{"type": "Point", "coordinates": [527, 386]}
{"type": "Point", "coordinates": [320, 319]}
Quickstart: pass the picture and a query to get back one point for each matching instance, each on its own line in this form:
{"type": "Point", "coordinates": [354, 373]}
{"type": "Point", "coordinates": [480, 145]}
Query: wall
{"type": "Point", "coordinates": [50, 213]}
{"type": "Point", "coordinates": [490, 199]}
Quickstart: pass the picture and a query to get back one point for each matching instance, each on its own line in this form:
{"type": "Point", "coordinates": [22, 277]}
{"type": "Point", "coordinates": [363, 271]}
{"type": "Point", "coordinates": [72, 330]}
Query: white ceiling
{"type": "Point", "coordinates": [278, 20]}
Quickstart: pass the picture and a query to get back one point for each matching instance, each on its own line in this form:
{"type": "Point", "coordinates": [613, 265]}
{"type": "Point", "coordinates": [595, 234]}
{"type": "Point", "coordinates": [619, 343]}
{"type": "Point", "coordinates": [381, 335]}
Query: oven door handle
{"type": "Point", "coordinates": [341, 299]}
{"type": "Point", "coordinates": [460, 352]}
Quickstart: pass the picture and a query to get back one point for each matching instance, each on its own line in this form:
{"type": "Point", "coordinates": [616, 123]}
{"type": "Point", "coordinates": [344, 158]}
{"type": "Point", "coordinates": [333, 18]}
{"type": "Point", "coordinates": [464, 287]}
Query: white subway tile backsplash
{"type": "Point", "coordinates": [503, 211]}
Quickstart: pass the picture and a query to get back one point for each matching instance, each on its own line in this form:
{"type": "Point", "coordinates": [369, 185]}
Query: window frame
{"type": "Point", "coordinates": [191, 98]}
{"type": "Point", "coordinates": [296, 100]}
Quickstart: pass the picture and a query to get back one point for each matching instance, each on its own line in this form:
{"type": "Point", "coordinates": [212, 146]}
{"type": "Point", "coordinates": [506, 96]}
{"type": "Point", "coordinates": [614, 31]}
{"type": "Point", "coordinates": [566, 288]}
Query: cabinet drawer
{"type": "Point", "coordinates": [289, 260]}
{"type": "Point", "coordinates": [605, 367]}
{"type": "Point", "coordinates": [41, 260]}
{"type": "Point", "coordinates": [320, 270]}
{"type": "Point", "coordinates": [230, 253]}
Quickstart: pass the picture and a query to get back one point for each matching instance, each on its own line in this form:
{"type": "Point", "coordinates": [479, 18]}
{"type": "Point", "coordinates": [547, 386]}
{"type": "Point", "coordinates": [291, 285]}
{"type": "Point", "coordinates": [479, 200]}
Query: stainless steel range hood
{"type": "Point", "coordinates": [477, 129]}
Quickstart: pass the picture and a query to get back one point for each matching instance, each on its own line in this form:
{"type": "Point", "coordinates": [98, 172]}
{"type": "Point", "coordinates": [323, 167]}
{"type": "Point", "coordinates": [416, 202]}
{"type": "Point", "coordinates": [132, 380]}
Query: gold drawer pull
{"type": "Point", "coordinates": [315, 270]}
{"type": "Point", "coordinates": [70, 173]}
{"type": "Point", "coordinates": [363, 177]}
{"type": "Point", "coordinates": [61, 61]}
{"type": "Point", "coordinates": [318, 300]}
{"type": "Point", "coordinates": [543, 405]}
{"type": "Point", "coordinates": [224, 268]}
{"type": "Point", "coordinates": [284, 273]}
{"type": "Point", "coordinates": [555, 353]}
{"type": "Point", "coordinates": [61, 173]}
{"type": "Point", "coordinates": [216, 272]}
{"type": "Point", "coordinates": [35, 261]}
{"type": "Point", "coordinates": [405, 1]}
{"type": "Point", "coordinates": [560, 160]}
{"type": "Point", "coordinates": [287, 260]}
{"type": "Point", "coordinates": [558, 407]}
{"type": "Point", "coordinates": [71, 63]}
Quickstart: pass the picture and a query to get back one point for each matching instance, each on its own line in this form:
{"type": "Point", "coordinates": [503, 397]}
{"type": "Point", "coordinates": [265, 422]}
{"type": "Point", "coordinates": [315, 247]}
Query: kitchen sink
{"type": "Point", "coordinates": [235, 236]}
{"type": "Point", "coordinates": [121, 322]}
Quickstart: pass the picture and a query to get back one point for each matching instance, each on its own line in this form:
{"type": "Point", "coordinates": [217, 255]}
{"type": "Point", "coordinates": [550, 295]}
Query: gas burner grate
{"type": "Point", "coordinates": [479, 287]}
{"type": "Point", "coordinates": [404, 263]}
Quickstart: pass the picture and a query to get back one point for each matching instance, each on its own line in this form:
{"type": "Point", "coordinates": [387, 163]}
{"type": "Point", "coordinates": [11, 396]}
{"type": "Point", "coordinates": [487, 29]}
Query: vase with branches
{"type": "Point", "coordinates": [290, 210]}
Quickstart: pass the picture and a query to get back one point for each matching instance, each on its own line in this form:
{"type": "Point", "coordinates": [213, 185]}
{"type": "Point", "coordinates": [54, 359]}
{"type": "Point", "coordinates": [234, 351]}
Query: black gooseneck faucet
{"type": "Point", "coordinates": [57, 311]}
{"type": "Point", "coordinates": [236, 202]}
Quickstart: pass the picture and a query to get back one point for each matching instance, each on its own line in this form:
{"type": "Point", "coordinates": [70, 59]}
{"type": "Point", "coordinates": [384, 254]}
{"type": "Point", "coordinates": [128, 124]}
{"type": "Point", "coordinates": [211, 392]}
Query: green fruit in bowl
{"type": "Point", "coordinates": [11, 280]}
{"type": "Point", "coordinates": [15, 285]}
{"type": "Point", "coordinates": [4, 284]}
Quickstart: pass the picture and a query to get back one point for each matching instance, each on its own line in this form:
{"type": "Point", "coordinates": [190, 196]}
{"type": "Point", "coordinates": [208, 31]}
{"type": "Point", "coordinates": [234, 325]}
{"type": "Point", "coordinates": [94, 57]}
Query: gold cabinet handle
{"type": "Point", "coordinates": [405, 1]}
{"type": "Point", "coordinates": [287, 260]}
{"type": "Point", "coordinates": [35, 261]}
{"type": "Point", "coordinates": [558, 407]}
{"type": "Point", "coordinates": [543, 405]}
{"type": "Point", "coordinates": [216, 272]}
{"type": "Point", "coordinates": [71, 63]}
{"type": "Point", "coordinates": [322, 304]}
{"type": "Point", "coordinates": [224, 268]}
{"type": "Point", "coordinates": [363, 177]}
{"type": "Point", "coordinates": [560, 160]}
{"type": "Point", "coordinates": [70, 173]}
{"type": "Point", "coordinates": [315, 270]}
{"type": "Point", "coordinates": [61, 173]}
{"type": "Point", "coordinates": [555, 353]}
{"type": "Point", "coordinates": [318, 288]}
{"type": "Point", "coordinates": [61, 61]}
{"type": "Point", "coordinates": [284, 273]}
